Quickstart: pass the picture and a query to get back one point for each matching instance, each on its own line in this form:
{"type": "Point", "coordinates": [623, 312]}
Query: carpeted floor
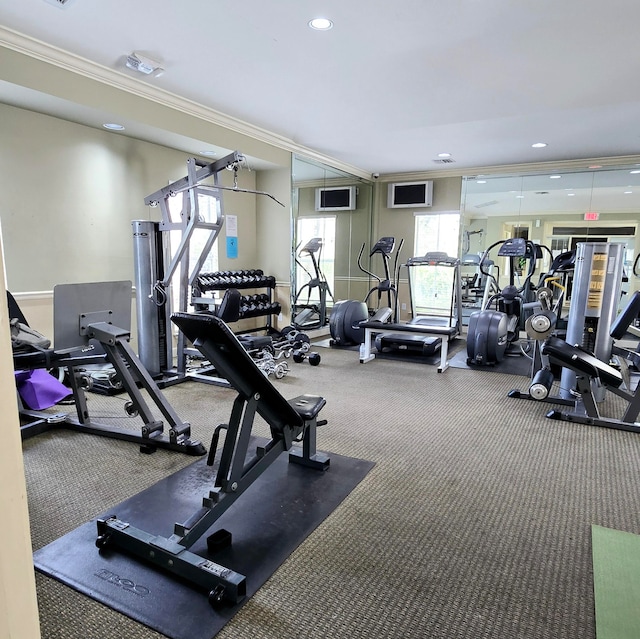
{"type": "Point", "coordinates": [474, 523]}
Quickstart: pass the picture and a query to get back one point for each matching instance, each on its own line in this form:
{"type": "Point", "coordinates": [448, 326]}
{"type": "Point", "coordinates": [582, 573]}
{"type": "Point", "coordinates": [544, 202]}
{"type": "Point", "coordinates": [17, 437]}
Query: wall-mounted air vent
{"type": "Point", "coordinates": [60, 3]}
{"type": "Point", "coordinates": [444, 161]}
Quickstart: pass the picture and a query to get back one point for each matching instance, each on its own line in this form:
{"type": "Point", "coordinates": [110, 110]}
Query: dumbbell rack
{"type": "Point", "coordinates": [251, 306]}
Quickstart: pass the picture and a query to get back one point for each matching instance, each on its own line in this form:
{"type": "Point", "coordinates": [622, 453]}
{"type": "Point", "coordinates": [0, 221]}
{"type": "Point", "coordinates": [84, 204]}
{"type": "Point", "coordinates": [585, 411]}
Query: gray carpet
{"type": "Point", "coordinates": [474, 523]}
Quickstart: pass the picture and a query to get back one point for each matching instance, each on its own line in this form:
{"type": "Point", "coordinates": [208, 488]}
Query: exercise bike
{"type": "Point", "coordinates": [493, 332]}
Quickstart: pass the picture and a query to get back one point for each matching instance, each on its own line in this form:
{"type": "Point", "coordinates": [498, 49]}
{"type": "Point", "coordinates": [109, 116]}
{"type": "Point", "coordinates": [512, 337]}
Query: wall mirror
{"type": "Point", "coordinates": [557, 209]}
{"type": "Point", "coordinates": [331, 220]}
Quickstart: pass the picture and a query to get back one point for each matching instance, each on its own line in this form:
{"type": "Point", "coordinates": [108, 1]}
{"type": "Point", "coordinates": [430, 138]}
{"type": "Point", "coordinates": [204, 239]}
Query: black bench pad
{"type": "Point", "coordinates": [217, 342]}
{"type": "Point", "coordinates": [578, 360]}
{"type": "Point", "coordinates": [308, 406]}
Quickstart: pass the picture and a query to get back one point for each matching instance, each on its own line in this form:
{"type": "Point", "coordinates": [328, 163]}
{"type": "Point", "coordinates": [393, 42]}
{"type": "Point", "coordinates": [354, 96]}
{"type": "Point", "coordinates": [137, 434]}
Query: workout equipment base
{"type": "Point", "coordinates": [373, 329]}
{"type": "Point", "coordinates": [281, 509]}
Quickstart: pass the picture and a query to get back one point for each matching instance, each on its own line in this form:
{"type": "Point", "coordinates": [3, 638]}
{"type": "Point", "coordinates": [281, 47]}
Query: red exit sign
{"type": "Point", "coordinates": [591, 216]}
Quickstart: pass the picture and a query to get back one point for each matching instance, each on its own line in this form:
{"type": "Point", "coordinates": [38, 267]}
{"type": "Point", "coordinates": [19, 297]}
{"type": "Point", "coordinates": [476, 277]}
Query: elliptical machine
{"type": "Point", "coordinates": [346, 315]}
{"type": "Point", "coordinates": [309, 315]}
{"type": "Point", "coordinates": [491, 332]}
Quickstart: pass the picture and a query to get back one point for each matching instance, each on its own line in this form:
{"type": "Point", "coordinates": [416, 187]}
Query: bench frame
{"type": "Point", "coordinates": [237, 468]}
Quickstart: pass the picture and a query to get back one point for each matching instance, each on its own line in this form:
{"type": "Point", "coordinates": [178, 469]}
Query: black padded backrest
{"type": "Point", "coordinates": [14, 309]}
{"type": "Point", "coordinates": [628, 314]}
{"type": "Point", "coordinates": [578, 360]}
{"type": "Point", "coordinates": [229, 310]}
{"type": "Point", "coordinates": [215, 340]}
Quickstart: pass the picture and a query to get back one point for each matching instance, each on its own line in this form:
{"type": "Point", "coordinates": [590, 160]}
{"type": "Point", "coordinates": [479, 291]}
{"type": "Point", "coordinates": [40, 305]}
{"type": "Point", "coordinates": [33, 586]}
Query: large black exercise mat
{"type": "Point", "coordinates": [283, 506]}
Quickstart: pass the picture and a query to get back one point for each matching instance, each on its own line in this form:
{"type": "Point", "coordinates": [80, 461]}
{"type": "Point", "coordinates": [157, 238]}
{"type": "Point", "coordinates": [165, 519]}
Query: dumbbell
{"type": "Point", "coordinates": [299, 356]}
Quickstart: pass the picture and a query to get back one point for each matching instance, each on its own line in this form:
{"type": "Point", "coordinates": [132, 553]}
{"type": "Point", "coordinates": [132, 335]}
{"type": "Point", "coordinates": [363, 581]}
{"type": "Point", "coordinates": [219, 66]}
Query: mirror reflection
{"type": "Point", "coordinates": [331, 219]}
{"type": "Point", "coordinates": [554, 209]}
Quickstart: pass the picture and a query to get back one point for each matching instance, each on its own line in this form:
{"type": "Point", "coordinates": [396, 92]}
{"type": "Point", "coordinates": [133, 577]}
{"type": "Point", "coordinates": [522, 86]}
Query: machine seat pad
{"type": "Point", "coordinates": [217, 342]}
{"type": "Point", "coordinates": [308, 406]}
{"type": "Point", "coordinates": [580, 361]}
{"type": "Point", "coordinates": [449, 331]}
{"type": "Point", "coordinates": [626, 317]}
{"type": "Point", "coordinates": [37, 359]}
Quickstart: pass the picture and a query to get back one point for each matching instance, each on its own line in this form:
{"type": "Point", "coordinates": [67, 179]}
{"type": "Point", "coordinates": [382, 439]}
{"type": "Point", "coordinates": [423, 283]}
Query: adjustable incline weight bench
{"type": "Point", "coordinates": [289, 421]}
{"type": "Point", "coordinates": [588, 369]}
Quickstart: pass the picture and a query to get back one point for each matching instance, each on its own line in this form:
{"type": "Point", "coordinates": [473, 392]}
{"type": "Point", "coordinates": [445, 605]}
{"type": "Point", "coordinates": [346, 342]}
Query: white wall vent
{"type": "Point", "coordinates": [60, 3]}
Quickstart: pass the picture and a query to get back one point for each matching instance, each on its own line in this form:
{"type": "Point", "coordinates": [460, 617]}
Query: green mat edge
{"type": "Point", "coordinates": [616, 583]}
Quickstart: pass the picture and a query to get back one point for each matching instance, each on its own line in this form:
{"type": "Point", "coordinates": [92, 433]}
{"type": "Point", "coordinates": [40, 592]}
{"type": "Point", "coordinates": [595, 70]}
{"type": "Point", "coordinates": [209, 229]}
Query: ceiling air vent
{"type": "Point", "coordinates": [444, 161]}
{"type": "Point", "coordinates": [60, 3]}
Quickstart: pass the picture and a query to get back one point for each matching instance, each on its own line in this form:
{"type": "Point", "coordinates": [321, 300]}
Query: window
{"type": "Point", "coordinates": [209, 210]}
{"type": "Point", "coordinates": [307, 229]}
{"type": "Point", "coordinates": [437, 232]}
{"type": "Point", "coordinates": [432, 286]}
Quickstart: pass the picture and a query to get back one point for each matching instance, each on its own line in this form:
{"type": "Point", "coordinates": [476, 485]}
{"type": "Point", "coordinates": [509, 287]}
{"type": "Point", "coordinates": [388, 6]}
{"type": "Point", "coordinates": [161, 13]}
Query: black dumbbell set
{"type": "Point", "coordinates": [257, 305]}
{"type": "Point", "coordinates": [247, 278]}
{"type": "Point", "coordinates": [292, 341]}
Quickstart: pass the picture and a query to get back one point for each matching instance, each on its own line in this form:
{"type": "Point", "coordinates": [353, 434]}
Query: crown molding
{"type": "Point", "coordinates": [60, 58]}
{"type": "Point", "coordinates": [515, 169]}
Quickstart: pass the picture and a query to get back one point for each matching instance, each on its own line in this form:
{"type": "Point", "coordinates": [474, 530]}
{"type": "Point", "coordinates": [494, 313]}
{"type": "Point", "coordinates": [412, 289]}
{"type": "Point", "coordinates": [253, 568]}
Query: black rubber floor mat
{"type": "Point", "coordinates": [283, 506]}
{"type": "Point", "coordinates": [516, 365]}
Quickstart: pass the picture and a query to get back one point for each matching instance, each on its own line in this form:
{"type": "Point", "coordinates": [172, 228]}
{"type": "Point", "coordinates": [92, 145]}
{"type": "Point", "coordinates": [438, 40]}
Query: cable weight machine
{"type": "Point", "coordinates": [157, 266]}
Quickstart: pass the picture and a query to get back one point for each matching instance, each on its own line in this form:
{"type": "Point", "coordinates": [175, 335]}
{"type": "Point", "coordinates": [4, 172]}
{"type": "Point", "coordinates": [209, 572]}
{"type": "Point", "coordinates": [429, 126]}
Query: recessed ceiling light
{"type": "Point", "coordinates": [444, 155]}
{"type": "Point", "coordinates": [321, 24]}
{"type": "Point", "coordinates": [635, 171]}
{"type": "Point", "coordinates": [481, 181]}
{"type": "Point", "coordinates": [208, 153]}
{"type": "Point", "coordinates": [539, 145]}
{"type": "Point", "coordinates": [519, 196]}
{"type": "Point", "coordinates": [112, 126]}
{"type": "Point", "coordinates": [628, 192]}
{"type": "Point", "coordinates": [570, 194]}
{"type": "Point", "coordinates": [555, 177]}
{"type": "Point", "coordinates": [595, 166]}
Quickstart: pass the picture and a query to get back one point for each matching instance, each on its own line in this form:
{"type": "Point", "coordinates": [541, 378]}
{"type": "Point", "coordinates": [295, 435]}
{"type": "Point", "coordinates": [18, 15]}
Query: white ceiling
{"type": "Point", "coordinates": [390, 86]}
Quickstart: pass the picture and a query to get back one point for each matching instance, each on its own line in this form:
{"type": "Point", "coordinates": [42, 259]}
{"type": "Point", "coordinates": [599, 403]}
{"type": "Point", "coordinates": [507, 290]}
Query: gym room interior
{"type": "Point", "coordinates": [452, 506]}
